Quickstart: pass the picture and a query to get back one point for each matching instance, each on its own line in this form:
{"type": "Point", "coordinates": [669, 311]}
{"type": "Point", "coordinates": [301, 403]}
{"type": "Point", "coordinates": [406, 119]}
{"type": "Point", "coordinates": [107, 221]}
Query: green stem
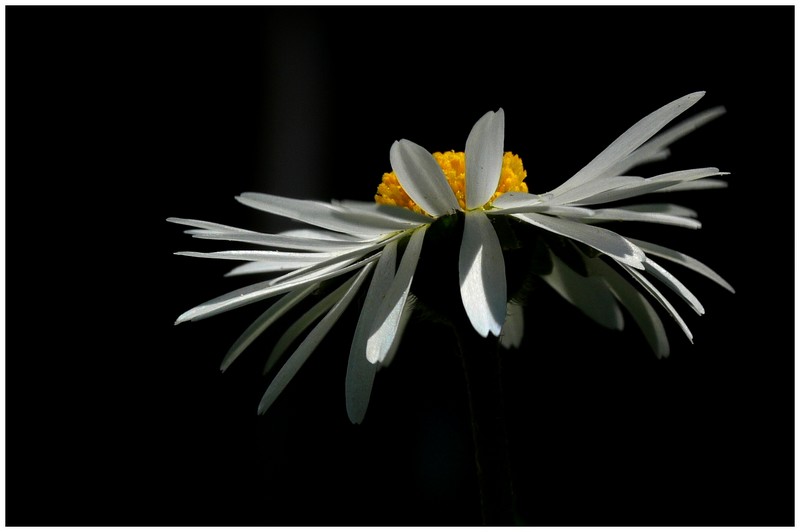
{"type": "Point", "coordinates": [483, 371]}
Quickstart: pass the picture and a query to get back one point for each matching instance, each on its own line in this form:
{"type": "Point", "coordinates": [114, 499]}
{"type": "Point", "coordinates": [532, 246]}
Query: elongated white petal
{"type": "Point", "coordinates": [705, 184]}
{"type": "Point", "coordinates": [211, 226]}
{"type": "Point", "coordinates": [403, 215]}
{"type": "Point", "coordinates": [387, 319]}
{"type": "Point", "coordinates": [684, 260]}
{"type": "Point", "coordinates": [264, 290]}
{"type": "Point", "coordinates": [384, 216]}
{"type": "Point", "coordinates": [360, 371]}
{"type": "Point", "coordinates": [589, 294]}
{"type": "Point", "coordinates": [663, 208]}
{"type": "Point", "coordinates": [655, 150]}
{"type": "Point", "coordinates": [279, 260]}
{"type": "Point", "coordinates": [598, 238]}
{"type": "Point", "coordinates": [649, 185]}
{"type": "Point", "coordinates": [566, 211]}
{"type": "Point", "coordinates": [513, 200]}
{"type": "Point", "coordinates": [484, 158]}
{"type": "Point", "coordinates": [583, 194]}
{"type": "Point", "coordinates": [641, 310]}
{"type": "Point", "coordinates": [405, 316]}
{"type": "Point", "coordinates": [625, 215]}
{"type": "Point", "coordinates": [305, 239]}
{"type": "Point", "coordinates": [421, 177]}
{"type": "Point", "coordinates": [514, 327]}
{"type": "Point", "coordinates": [482, 275]}
{"type": "Point", "coordinates": [660, 298]}
{"type": "Point", "coordinates": [255, 267]}
{"type": "Point", "coordinates": [321, 214]}
{"type": "Point", "coordinates": [250, 268]}
{"type": "Point", "coordinates": [634, 137]}
{"type": "Point", "coordinates": [302, 323]}
{"type": "Point", "coordinates": [272, 314]}
{"type": "Point", "coordinates": [616, 188]}
{"type": "Point", "coordinates": [516, 202]}
{"type": "Point", "coordinates": [657, 271]}
{"type": "Point", "coordinates": [277, 241]}
{"type": "Point", "coordinates": [341, 257]}
{"type": "Point", "coordinates": [304, 350]}
{"type": "Point", "coordinates": [315, 233]}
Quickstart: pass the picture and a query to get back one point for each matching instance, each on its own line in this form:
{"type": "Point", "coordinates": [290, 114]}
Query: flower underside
{"type": "Point", "coordinates": [453, 165]}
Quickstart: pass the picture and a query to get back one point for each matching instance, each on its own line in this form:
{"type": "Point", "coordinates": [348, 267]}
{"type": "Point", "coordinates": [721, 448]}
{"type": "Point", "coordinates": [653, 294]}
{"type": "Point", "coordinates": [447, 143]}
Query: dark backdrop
{"type": "Point", "coordinates": [118, 118]}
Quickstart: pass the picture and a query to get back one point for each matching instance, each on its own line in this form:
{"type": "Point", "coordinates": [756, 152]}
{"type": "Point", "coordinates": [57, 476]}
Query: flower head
{"type": "Point", "coordinates": [480, 196]}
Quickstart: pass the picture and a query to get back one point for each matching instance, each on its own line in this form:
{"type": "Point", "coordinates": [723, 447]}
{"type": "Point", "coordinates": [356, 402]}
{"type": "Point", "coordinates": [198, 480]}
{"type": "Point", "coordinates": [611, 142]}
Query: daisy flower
{"type": "Point", "coordinates": [505, 238]}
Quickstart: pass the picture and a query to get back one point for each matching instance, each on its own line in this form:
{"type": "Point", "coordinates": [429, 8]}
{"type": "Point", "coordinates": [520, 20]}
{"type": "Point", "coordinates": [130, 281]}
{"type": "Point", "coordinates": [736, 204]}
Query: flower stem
{"type": "Point", "coordinates": [483, 371]}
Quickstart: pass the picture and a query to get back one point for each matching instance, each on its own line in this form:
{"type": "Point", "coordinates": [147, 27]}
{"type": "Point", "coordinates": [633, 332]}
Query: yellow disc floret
{"type": "Point", "coordinates": [453, 164]}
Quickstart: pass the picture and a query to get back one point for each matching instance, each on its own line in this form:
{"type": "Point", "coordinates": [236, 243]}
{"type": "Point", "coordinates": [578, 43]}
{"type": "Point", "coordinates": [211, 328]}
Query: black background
{"type": "Point", "coordinates": [120, 117]}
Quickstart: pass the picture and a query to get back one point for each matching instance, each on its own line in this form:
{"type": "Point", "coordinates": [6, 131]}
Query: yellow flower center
{"type": "Point", "coordinates": [512, 179]}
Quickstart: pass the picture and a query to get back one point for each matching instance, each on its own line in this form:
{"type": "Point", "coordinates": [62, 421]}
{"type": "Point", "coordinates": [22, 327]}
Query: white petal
{"type": "Point", "coordinates": [514, 327]}
{"type": "Point", "coordinates": [598, 238]}
{"type": "Point", "coordinates": [624, 215]}
{"type": "Point", "coordinates": [321, 214]}
{"type": "Point", "coordinates": [634, 137]}
{"type": "Point", "coordinates": [421, 177]}
{"type": "Point", "coordinates": [684, 260]}
{"type": "Point", "coordinates": [277, 260]}
{"type": "Point", "coordinates": [308, 345]}
{"type": "Point", "coordinates": [337, 258]}
{"type": "Point", "coordinates": [641, 310]}
{"type": "Point", "coordinates": [302, 323]}
{"type": "Point", "coordinates": [484, 158]}
{"type": "Point", "coordinates": [646, 186]}
{"type": "Point", "coordinates": [586, 193]}
{"type": "Point", "coordinates": [385, 216]}
{"type": "Point", "coordinates": [671, 281]}
{"type": "Point", "coordinates": [360, 371]}
{"type": "Point", "coordinates": [663, 208]}
{"type": "Point", "coordinates": [305, 239]}
{"type": "Point", "coordinates": [482, 275]}
{"type": "Point", "coordinates": [565, 211]}
{"type": "Point", "coordinates": [264, 290]}
{"type": "Point", "coordinates": [322, 234]}
{"type": "Point", "coordinates": [276, 241]}
{"type": "Point", "coordinates": [516, 200]}
{"type": "Point", "coordinates": [201, 224]}
{"type": "Point", "coordinates": [405, 316]}
{"type": "Point", "coordinates": [256, 267]}
{"type": "Point", "coordinates": [655, 150]}
{"type": "Point", "coordinates": [403, 215]}
{"type": "Point", "coordinates": [589, 294]}
{"type": "Point", "coordinates": [705, 184]}
{"type": "Point", "coordinates": [387, 319]}
{"type": "Point", "coordinates": [278, 309]}
{"type": "Point", "coordinates": [660, 298]}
